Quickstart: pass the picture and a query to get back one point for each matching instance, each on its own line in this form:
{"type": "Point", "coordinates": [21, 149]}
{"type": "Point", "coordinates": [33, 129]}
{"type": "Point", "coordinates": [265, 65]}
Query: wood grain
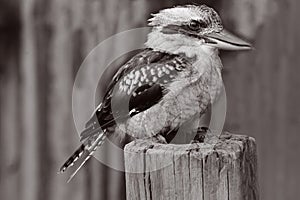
{"type": "Point", "coordinates": [225, 170]}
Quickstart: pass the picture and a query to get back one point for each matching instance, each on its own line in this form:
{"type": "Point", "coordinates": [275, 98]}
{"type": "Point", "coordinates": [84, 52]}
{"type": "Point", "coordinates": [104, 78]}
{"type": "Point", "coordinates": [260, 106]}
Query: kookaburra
{"type": "Point", "coordinates": [175, 78]}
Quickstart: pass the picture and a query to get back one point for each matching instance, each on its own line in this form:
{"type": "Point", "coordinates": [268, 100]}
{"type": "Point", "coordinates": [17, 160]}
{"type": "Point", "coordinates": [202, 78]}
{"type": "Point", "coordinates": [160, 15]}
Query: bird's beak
{"type": "Point", "coordinates": [227, 41]}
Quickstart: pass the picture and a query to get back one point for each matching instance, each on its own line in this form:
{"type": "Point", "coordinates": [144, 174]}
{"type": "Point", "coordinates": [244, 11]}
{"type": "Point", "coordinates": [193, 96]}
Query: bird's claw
{"type": "Point", "coordinates": [200, 136]}
{"type": "Point", "coordinates": [158, 139]}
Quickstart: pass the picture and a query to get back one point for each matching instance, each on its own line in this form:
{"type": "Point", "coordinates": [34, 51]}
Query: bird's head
{"type": "Point", "coordinates": [184, 28]}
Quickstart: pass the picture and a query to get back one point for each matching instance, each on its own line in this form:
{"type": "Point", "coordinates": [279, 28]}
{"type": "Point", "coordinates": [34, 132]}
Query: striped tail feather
{"type": "Point", "coordinates": [89, 152]}
{"type": "Point", "coordinates": [72, 159]}
{"type": "Point", "coordinates": [82, 154]}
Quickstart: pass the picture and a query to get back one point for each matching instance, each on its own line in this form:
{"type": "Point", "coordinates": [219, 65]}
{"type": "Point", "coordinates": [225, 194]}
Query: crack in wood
{"type": "Point", "coordinates": [227, 171]}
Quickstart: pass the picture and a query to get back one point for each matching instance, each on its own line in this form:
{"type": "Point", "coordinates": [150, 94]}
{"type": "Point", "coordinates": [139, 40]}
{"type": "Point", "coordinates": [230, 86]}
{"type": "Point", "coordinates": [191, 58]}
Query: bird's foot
{"type": "Point", "coordinates": [200, 135]}
{"type": "Point", "coordinates": [158, 139]}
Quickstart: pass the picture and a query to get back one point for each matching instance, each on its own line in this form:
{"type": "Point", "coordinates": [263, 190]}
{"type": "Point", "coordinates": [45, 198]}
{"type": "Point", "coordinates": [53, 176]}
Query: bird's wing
{"type": "Point", "coordinates": [137, 86]}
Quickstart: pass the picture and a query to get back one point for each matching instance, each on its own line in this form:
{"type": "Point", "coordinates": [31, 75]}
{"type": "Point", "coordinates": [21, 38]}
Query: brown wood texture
{"type": "Point", "coordinates": [43, 43]}
{"type": "Point", "coordinates": [219, 170]}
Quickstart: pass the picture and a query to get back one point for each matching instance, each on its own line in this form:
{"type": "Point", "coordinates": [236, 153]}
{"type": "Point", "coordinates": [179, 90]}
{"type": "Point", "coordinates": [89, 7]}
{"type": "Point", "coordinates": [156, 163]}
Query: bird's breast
{"type": "Point", "coordinates": [208, 74]}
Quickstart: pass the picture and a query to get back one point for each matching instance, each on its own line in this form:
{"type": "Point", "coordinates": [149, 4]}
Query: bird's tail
{"type": "Point", "coordinates": [82, 154]}
{"type": "Point", "coordinates": [72, 159]}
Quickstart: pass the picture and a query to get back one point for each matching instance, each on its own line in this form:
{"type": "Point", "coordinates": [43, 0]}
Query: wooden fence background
{"type": "Point", "coordinates": [42, 44]}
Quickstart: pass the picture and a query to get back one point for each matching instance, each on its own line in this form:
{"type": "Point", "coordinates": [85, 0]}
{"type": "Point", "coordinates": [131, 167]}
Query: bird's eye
{"type": "Point", "coordinates": [202, 24]}
{"type": "Point", "coordinates": [197, 25]}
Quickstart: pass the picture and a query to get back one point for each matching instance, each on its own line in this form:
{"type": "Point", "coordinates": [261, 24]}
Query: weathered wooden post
{"type": "Point", "coordinates": [222, 170]}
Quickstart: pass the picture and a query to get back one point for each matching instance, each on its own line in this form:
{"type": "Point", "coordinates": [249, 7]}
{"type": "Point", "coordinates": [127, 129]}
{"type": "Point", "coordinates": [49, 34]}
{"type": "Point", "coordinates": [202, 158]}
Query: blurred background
{"type": "Point", "coordinates": [43, 43]}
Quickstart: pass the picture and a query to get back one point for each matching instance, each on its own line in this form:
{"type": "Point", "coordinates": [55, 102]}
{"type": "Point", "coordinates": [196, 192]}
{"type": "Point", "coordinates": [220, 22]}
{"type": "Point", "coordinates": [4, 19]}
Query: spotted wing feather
{"type": "Point", "coordinates": [138, 85]}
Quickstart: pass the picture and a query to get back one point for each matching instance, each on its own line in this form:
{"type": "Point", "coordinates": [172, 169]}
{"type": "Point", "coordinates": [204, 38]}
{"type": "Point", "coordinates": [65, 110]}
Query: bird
{"type": "Point", "coordinates": [174, 79]}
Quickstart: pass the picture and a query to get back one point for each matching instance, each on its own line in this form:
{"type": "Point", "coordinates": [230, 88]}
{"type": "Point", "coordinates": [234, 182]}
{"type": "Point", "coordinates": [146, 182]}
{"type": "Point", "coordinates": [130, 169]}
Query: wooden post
{"type": "Point", "coordinates": [222, 170]}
